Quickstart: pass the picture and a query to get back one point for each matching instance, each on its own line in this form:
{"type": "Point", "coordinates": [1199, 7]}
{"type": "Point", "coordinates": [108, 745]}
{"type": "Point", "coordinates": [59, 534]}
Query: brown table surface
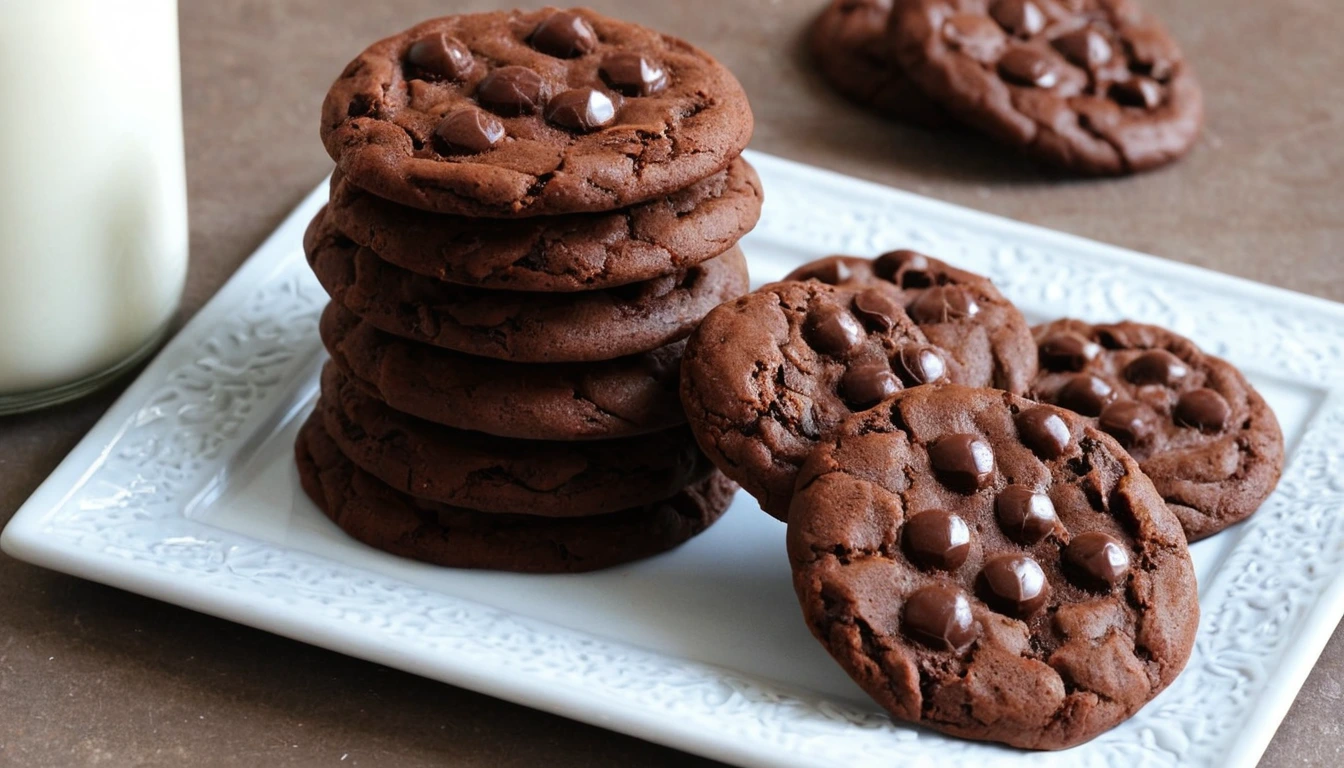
{"type": "Point", "coordinates": [90, 674]}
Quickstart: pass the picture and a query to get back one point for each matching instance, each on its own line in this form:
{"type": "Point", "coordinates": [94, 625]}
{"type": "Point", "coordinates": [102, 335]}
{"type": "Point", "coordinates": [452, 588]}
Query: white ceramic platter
{"type": "Point", "coordinates": [186, 492]}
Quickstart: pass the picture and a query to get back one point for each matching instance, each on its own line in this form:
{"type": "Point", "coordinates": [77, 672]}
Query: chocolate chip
{"type": "Point", "coordinates": [1203, 409]}
{"type": "Point", "coordinates": [633, 75]}
{"type": "Point", "coordinates": [936, 539]}
{"type": "Point", "coordinates": [964, 463]}
{"type": "Point", "coordinates": [1019, 17]}
{"type": "Point", "coordinates": [940, 617]}
{"type": "Point", "coordinates": [1067, 352]}
{"type": "Point", "coordinates": [1085, 394]}
{"type": "Point", "coordinates": [1014, 585]}
{"type": "Point", "coordinates": [1098, 559]}
{"type": "Point", "coordinates": [833, 270]}
{"type": "Point", "coordinates": [511, 91]}
{"type": "Point", "coordinates": [880, 310]}
{"type": "Point", "coordinates": [921, 365]}
{"type": "Point", "coordinates": [1085, 47]}
{"type": "Point", "coordinates": [1025, 66]}
{"type": "Point", "coordinates": [943, 303]}
{"type": "Point", "coordinates": [974, 35]}
{"type": "Point", "coordinates": [468, 131]}
{"type": "Point", "coordinates": [1137, 92]}
{"type": "Point", "coordinates": [581, 110]}
{"type": "Point", "coordinates": [1156, 366]}
{"type": "Point", "coordinates": [1126, 421]}
{"type": "Point", "coordinates": [1025, 515]}
{"type": "Point", "coordinates": [1044, 431]}
{"type": "Point", "coordinates": [564, 35]}
{"type": "Point", "coordinates": [908, 269]}
{"type": "Point", "coordinates": [834, 331]}
{"type": "Point", "coordinates": [440, 57]}
{"type": "Point", "coordinates": [866, 384]}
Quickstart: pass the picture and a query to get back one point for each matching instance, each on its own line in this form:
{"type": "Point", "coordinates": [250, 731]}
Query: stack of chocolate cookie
{"type": "Point", "coordinates": [530, 212]}
{"type": "Point", "coordinates": [1091, 86]}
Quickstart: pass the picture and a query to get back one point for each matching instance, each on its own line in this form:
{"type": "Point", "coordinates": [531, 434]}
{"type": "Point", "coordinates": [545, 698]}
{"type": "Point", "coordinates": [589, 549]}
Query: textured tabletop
{"type": "Point", "coordinates": [89, 674]}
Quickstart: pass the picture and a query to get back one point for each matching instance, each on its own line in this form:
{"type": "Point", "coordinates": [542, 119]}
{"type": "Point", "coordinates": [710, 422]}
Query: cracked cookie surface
{"type": "Point", "coordinates": [991, 568]}
{"type": "Point", "coordinates": [1092, 86]}
{"type": "Point", "coordinates": [1208, 440]}
{"type": "Point", "coordinates": [527, 113]}
{"type": "Point", "coordinates": [372, 512]}
{"type": "Point", "coordinates": [515, 325]}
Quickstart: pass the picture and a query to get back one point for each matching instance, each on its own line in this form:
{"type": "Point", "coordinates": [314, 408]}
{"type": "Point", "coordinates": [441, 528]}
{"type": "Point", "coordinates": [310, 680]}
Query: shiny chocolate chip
{"type": "Point", "coordinates": [633, 75]}
{"type": "Point", "coordinates": [940, 617]}
{"type": "Point", "coordinates": [832, 270]}
{"type": "Point", "coordinates": [581, 110]}
{"type": "Point", "coordinates": [468, 131]}
{"type": "Point", "coordinates": [866, 384]}
{"type": "Point", "coordinates": [1025, 515]}
{"type": "Point", "coordinates": [511, 91]}
{"type": "Point", "coordinates": [975, 36]}
{"type": "Point", "coordinates": [834, 330]}
{"type": "Point", "coordinates": [564, 35]}
{"type": "Point", "coordinates": [1098, 560]}
{"type": "Point", "coordinates": [1126, 421]}
{"type": "Point", "coordinates": [943, 303]}
{"type": "Point", "coordinates": [1025, 66]}
{"type": "Point", "coordinates": [1141, 92]}
{"type": "Point", "coordinates": [936, 539]}
{"type": "Point", "coordinates": [964, 463]}
{"type": "Point", "coordinates": [1023, 18]}
{"type": "Point", "coordinates": [1085, 394]}
{"type": "Point", "coordinates": [1067, 352]}
{"type": "Point", "coordinates": [1014, 585]}
{"type": "Point", "coordinates": [921, 364]}
{"type": "Point", "coordinates": [1156, 366]}
{"type": "Point", "coordinates": [440, 57]}
{"type": "Point", "coordinates": [878, 309]}
{"type": "Point", "coordinates": [1085, 47]}
{"type": "Point", "coordinates": [1203, 409]}
{"type": "Point", "coordinates": [1043, 430]}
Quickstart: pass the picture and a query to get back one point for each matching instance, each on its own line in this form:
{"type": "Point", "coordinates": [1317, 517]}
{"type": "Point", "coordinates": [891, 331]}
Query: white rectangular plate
{"type": "Point", "coordinates": [186, 492]}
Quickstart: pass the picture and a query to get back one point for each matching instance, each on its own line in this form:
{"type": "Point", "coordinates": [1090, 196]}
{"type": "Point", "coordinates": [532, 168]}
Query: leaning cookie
{"type": "Point", "coordinates": [1208, 440]}
{"type": "Point", "coordinates": [991, 568]}
{"type": "Point", "coordinates": [961, 312]}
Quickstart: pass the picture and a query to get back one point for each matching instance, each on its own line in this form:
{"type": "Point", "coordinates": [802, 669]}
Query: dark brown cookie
{"type": "Point", "coordinates": [767, 376]}
{"type": "Point", "coordinates": [1093, 86]}
{"type": "Point", "coordinates": [1208, 440]}
{"type": "Point", "coordinates": [848, 42]}
{"type": "Point", "coordinates": [528, 113]}
{"type": "Point", "coordinates": [370, 511]}
{"type": "Point", "coordinates": [496, 474]}
{"type": "Point", "coordinates": [517, 326]}
{"type": "Point", "coordinates": [960, 311]}
{"type": "Point", "coordinates": [580, 252]}
{"type": "Point", "coordinates": [538, 401]}
{"type": "Point", "coordinates": [991, 568]}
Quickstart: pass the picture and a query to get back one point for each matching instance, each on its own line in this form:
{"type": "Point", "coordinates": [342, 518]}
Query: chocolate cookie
{"type": "Point", "coordinates": [1093, 86]}
{"type": "Point", "coordinates": [496, 474]}
{"type": "Point", "coordinates": [767, 376]}
{"type": "Point", "coordinates": [522, 327]}
{"type": "Point", "coordinates": [527, 113]}
{"type": "Point", "coordinates": [553, 401]}
{"type": "Point", "coordinates": [991, 568]}
{"type": "Point", "coordinates": [848, 42]}
{"type": "Point", "coordinates": [370, 511]}
{"type": "Point", "coordinates": [1208, 440]}
{"type": "Point", "coordinates": [962, 312]}
{"type": "Point", "coordinates": [580, 252]}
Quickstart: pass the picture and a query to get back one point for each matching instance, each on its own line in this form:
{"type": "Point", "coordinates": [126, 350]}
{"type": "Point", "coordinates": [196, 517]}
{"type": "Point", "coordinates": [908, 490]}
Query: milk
{"type": "Point", "coordinates": [93, 215]}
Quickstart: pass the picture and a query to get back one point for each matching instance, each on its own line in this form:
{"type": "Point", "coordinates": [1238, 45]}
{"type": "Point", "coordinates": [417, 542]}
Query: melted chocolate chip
{"type": "Point", "coordinates": [1098, 560]}
{"type": "Point", "coordinates": [943, 303]}
{"type": "Point", "coordinates": [1203, 409]}
{"type": "Point", "coordinates": [1067, 352]}
{"type": "Point", "coordinates": [1044, 431]}
{"type": "Point", "coordinates": [1085, 47]}
{"type": "Point", "coordinates": [581, 110]}
{"type": "Point", "coordinates": [832, 271]}
{"type": "Point", "coordinates": [1019, 17]}
{"type": "Point", "coordinates": [440, 57]}
{"type": "Point", "coordinates": [964, 462]}
{"type": "Point", "coordinates": [975, 36]}
{"type": "Point", "coordinates": [1126, 421]}
{"type": "Point", "coordinates": [633, 75]}
{"type": "Point", "coordinates": [1156, 366]}
{"type": "Point", "coordinates": [468, 131]}
{"type": "Point", "coordinates": [906, 268]}
{"type": "Point", "coordinates": [511, 91]}
{"type": "Point", "coordinates": [940, 617]}
{"type": "Point", "coordinates": [1085, 394]}
{"type": "Point", "coordinates": [564, 35]}
{"type": "Point", "coordinates": [921, 365]}
{"type": "Point", "coordinates": [880, 310]}
{"type": "Point", "coordinates": [866, 384]}
{"type": "Point", "coordinates": [936, 539]}
{"type": "Point", "coordinates": [1014, 585]}
{"type": "Point", "coordinates": [1025, 515]}
{"type": "Point", "coordinates": [1025, 66]}
{"type": "Point", "coordinates": [834, 331]}
{"type": "Point", "coordinates": [1137, 92]}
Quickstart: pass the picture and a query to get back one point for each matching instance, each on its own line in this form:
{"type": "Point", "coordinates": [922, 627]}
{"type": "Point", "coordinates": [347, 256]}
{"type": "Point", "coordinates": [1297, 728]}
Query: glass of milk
{"type": "Point", "coordinates": [93, 199]}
